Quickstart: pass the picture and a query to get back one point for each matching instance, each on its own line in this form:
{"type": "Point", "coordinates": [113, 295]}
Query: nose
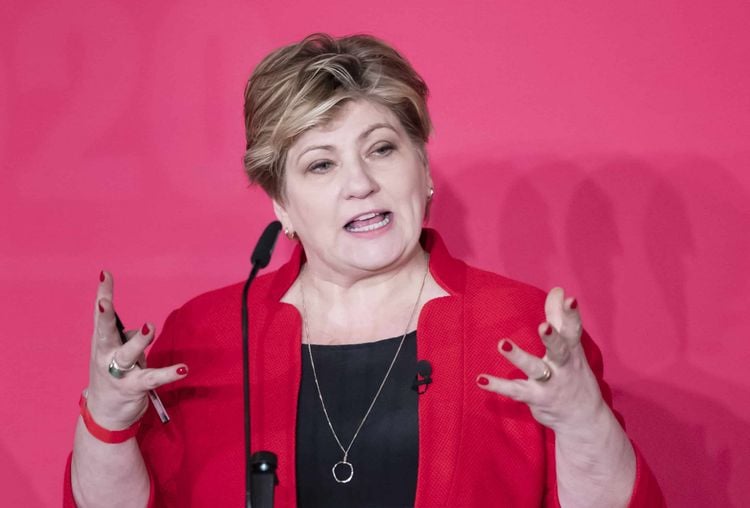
{"type": "Point", "coordinates": [359, 181]}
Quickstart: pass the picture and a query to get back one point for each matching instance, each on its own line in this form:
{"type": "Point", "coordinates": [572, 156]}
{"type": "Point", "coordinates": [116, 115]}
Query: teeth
{"type": "Point", "coordinates": [365, 216]}
{"type": "Point", "coordinates": [370, 227]}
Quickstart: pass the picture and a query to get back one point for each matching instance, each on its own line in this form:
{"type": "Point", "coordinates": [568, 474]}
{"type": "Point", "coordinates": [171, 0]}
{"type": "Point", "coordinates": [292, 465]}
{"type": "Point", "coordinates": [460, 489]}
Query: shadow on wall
{"type": "Point", "coordinates": [656, 253]}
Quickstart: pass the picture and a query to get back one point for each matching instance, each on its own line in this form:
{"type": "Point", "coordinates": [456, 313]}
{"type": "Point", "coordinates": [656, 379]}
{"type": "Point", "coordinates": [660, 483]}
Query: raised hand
{"type": "Point", "coordinates": [594, 460]}
{"type": "Point", "coordinates": [561, 390]}
{"type": "Point", "coordinates": [118, 385]}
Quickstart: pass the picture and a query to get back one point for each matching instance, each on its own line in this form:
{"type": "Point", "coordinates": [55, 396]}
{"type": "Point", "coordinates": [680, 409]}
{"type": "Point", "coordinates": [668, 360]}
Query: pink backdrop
{"type": "Point", "coordinates": [598, 146]}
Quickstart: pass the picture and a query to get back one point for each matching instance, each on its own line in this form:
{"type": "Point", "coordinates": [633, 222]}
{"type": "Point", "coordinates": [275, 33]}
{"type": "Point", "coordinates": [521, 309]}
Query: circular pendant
{"type": "Point", "coordinates": [342, 466]}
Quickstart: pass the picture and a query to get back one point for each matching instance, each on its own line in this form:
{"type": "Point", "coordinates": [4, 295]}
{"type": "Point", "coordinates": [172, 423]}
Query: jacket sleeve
{"type": "Point", "coordinates": [646, 491]}
{"type": "Point", "coordinates": [156, 440]}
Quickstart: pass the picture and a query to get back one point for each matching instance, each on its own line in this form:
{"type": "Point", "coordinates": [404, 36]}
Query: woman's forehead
{"type": "Point", "coordinates": [351, 123]}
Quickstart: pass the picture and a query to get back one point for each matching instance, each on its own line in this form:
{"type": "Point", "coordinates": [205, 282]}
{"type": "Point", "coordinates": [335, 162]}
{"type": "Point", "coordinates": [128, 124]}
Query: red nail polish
{"type": "Point", "coordinates": [101, 276]}
{"type": "Point", "coordinates": [507, 346]}
{"type": "Point", "coordinates": [482, 380]}
{"type": "Point", "coordinates": [144, 330]}
{"type": "Point", "coordinates": [548, 331]}
{"type": "Point", "coordinates": [574, 304]}
{"type": "Point", "coordinates": [182, 371]}
{"type": "Point", "coordinates": [101, 309]}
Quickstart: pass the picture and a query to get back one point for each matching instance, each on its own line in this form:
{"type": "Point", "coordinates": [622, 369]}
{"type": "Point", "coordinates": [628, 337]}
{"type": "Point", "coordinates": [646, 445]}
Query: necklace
{"type": "Point", "coordinates": [343, 470]}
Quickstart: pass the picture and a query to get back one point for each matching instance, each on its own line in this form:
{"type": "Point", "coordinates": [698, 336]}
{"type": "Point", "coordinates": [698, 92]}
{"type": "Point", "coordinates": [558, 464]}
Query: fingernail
{"type": "Point", "coordinates": [574, 304]}
{"type": "Point", "coordinates": [101, 276]}
{"type": "Point", "coordinates": [507, 346]}
{"type": "Point", "coordinates": [101, 309]}
{"type": "Point", "coordinates": [144, 330]}
{"type": "Point", "coordinates": [483, 381]}
{"type": "Point", "coordinates": [548, 331]}
{"type": "Point", "coordinates": [182, 371]}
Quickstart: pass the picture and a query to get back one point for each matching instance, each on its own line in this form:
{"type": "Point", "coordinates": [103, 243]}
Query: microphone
{"type": "Point", "coordinates": [264, 248]}
{"type": "Point", "coordinates": [423, 378]}
{"type": "Point", "coordinates": [260, 468]}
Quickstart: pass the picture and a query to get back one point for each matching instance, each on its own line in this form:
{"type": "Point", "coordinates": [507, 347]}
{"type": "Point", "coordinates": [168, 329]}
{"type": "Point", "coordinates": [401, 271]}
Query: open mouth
{"type": "Point", "coordinates": [368, 222]}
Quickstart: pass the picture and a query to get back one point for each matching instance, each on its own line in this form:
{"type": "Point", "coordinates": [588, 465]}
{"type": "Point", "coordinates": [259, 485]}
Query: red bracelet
{"type": "Point", "coordinates": [102, 434]}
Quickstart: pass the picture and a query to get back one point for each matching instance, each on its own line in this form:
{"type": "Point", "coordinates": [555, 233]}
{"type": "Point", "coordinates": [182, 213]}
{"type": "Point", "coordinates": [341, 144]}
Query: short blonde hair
{"type": "Point", "coordinates": [303, 85]}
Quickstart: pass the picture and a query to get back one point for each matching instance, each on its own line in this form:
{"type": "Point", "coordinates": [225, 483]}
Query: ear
{"type": "Point", "coordinates": [428, 202]}
{"type": "Point", "coordinates": [282, 215]}
{"type": "Point", "coordinates": [426, 167]}
{"type": "Point", "coordinates": [430, 183]}
{"type": "Point", "coordinates": [428, 176]}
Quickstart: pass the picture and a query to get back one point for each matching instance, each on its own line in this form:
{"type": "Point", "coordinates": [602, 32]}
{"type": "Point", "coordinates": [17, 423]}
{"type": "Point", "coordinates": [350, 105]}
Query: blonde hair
{"type": "Point", "coordinates": [303, 85]}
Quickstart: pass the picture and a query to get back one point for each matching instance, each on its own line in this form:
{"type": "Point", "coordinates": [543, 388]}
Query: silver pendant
{"type": "Point", "coordinates": [344, 464]}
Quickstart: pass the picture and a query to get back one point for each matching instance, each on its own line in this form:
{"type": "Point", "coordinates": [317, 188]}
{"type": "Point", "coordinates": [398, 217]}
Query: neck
{"type": "Point", "coordinates": [362, 309]}
{"type": "Point", "coordinates": [335, 287]}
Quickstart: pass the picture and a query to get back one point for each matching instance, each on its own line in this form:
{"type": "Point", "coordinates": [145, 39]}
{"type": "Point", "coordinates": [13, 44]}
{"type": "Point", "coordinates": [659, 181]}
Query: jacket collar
{"type": "Point", "coordinates": [440, 339]}
{"type": "Point", "coordinates": [448, 272]}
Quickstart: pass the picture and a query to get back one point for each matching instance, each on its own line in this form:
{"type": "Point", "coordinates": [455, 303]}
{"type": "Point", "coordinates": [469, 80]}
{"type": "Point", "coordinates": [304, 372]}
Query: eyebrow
{"type": "Point", "coordinates": [365, 133]}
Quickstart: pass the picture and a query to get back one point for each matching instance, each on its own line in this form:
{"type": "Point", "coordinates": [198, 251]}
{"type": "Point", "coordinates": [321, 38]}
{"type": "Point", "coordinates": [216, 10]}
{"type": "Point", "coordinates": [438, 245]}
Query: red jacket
{"type": "Point", "coordinates": [476, 449]}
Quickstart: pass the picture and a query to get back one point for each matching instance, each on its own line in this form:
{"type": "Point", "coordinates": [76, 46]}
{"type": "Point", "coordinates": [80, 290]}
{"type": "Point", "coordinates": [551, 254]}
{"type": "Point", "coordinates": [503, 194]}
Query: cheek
{"type": "Point", "coordinates": [411, 192]}
{"type": "Point", "coordinates": [414, 201]}
{"type": "Point", "coordinates": [417, 189]}
{"type": "Point", "coordinates": [311, 209]}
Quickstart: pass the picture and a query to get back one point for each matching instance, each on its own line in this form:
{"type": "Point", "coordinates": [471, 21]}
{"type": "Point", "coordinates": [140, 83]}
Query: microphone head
{"type": "Point", "coordinates": [263, 249]}
{"type": "Point", "coordinates": [424, 368]}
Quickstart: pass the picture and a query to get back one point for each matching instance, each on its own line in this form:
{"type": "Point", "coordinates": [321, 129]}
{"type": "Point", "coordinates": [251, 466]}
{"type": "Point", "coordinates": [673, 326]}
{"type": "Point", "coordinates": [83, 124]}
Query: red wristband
{"type": "Point", "coordinates": [102, 434]}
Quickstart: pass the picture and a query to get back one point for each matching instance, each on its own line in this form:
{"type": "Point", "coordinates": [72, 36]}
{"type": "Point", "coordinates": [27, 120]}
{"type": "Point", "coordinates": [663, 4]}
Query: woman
{"type": "Point", "coordinates": [517, 413]}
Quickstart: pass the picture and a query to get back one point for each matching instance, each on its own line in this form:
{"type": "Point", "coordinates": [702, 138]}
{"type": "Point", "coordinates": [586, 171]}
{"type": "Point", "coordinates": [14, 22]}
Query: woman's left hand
{"type": "Point", "coordinates": [561, 390]}
{"type": "Point", "coordinates": [594, 460]}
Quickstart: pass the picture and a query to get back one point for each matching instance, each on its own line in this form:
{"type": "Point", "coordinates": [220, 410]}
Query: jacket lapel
{"type": "Point", "coordinates": [275, 339]}
{"type": "Point", "coordinates": [439, 341]}
{"type": "Point", "coordinates": [275, 374]}
{"type": "Point", "coordinates": [440, 338]}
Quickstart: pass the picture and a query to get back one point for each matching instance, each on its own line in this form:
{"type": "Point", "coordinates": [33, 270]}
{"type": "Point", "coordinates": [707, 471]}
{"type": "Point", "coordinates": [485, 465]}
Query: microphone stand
{"type": "Point", "coordinates": [260, 467]}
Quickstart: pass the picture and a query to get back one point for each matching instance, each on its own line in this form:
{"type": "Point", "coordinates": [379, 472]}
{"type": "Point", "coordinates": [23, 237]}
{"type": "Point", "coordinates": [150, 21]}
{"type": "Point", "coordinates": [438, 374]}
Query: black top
{"type": "Point", "coordinates": [384, 455]}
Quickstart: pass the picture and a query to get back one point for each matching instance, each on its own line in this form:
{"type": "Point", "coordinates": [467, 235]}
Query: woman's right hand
{"type": "Point", "coordinates": [116, 403]}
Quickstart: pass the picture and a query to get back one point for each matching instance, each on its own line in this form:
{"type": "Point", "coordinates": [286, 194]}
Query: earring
{"type": "Point", "coordinates": [290, 234]}
{"type": "Point", "coordinates": [430, 193]}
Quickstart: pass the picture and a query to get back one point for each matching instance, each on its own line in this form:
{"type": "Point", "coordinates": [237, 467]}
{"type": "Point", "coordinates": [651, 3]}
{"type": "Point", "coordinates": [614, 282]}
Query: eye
{"type": "Point", "coordinates": [384, 149]}
{"type": "Point", "coordinates": [320, 167]}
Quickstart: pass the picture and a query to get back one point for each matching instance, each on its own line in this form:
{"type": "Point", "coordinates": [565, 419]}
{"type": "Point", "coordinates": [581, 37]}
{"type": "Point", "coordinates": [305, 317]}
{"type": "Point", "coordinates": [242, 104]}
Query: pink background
{"type": "Point", "coordinates": [598, 146]}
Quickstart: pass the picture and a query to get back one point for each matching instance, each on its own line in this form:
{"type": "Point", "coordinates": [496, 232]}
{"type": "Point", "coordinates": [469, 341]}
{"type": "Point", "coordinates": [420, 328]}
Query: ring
{"type": "Point", "coordinates": [116, 370]}
{"type": "Point", "coordinates": [545, 375]}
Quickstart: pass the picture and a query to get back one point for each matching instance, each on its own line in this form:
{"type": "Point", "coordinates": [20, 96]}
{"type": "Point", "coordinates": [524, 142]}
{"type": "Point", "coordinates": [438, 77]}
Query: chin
{"type": "Point", "coordinates": [374, 256]}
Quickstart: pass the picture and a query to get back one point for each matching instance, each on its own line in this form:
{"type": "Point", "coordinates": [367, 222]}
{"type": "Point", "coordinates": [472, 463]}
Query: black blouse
{"type": "Point", "coordinates": [384, 455]}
